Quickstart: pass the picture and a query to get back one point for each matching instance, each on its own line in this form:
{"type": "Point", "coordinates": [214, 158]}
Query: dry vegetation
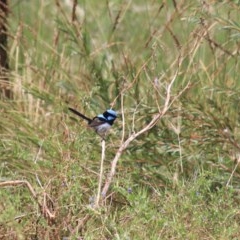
{"type": "Point", "coordinates": [170, 68]}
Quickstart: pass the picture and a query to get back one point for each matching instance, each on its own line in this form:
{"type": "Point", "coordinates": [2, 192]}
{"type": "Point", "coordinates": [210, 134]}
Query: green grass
{"type": "Point", "coordinates": [179, 180]}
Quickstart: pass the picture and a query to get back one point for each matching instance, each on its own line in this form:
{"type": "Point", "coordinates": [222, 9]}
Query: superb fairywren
{"type": "Point", "coordinates": [101, 123]}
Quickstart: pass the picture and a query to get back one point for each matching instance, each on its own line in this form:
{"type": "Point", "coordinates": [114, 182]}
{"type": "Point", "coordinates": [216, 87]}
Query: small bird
{"type": "Point", "coordinates": [101, 123]}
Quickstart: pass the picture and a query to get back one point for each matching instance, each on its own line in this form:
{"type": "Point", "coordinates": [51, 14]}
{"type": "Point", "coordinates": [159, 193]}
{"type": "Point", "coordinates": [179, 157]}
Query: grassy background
{"type": "Point", "coordinates": [179, 180]}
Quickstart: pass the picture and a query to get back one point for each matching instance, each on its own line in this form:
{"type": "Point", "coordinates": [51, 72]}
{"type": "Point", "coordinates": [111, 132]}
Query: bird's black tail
{"type": "Point", "coordinates": [80, 115]}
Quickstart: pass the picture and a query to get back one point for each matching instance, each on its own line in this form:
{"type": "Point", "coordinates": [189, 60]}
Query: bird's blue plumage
{"type": "Point", "coordinates": [101, 123]}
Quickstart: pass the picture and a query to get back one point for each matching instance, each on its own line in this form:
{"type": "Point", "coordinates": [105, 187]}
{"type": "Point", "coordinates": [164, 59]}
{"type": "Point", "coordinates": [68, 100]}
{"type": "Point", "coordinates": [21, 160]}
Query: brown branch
{"type": "Point", "coordinates": [4, 66]}
{"type": "Point", "coordinates": [153, 122]}
{"type": "Point", "coordinates": [74, 16]}
{"type": "Point", "coordinates": [43, 206]}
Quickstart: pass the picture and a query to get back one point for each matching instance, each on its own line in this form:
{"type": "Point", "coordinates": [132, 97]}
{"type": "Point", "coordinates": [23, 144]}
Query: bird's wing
{"type": "Point", "coordinates": [96, 122]}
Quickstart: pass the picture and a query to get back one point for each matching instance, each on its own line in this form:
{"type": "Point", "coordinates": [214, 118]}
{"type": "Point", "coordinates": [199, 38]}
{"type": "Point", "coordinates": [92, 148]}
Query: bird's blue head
{"type": "Point", "coordinates": [109, 115]}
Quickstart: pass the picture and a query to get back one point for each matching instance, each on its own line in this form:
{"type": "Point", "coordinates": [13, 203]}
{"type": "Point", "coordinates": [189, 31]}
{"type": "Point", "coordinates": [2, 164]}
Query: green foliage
{"type": "Point", "coordinates": [179, 180]}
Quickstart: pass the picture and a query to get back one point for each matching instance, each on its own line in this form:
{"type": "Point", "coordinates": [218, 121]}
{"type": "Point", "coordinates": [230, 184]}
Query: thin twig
{"type": "Point", "coordinates": [43, 206]}
{"type": "Point", "coordinates": [123, 118]}
{"type": "Point", "coordinates": [234, 170]}
{"type": "Point", "coordinates": [100, 174]}
{"type": "Point", "coordinates": [134, 135]}
{"type": "Point", "coordinates": [20, 182]}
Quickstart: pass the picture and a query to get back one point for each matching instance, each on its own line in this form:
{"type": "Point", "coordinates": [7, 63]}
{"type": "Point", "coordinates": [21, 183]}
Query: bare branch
{"type": "Point", "coordinates": [134, 135]}
{"type": "Point", "coordinates": [43, 206]}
